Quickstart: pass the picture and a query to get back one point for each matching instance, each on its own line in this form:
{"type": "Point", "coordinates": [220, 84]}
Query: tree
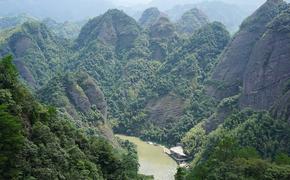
{"type": "Point", "coordinates": [181, 173]}
{"type": "Point", "coordinates": [11, 142]}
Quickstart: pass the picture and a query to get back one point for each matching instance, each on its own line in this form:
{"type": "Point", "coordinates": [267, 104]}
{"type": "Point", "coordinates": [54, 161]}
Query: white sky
{"type": "Point", "coordinates": [130, 2]}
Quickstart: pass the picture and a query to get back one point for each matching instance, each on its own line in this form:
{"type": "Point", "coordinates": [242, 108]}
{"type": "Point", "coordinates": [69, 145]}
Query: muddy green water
{"type": "Point", "coordinates": [153, 160]}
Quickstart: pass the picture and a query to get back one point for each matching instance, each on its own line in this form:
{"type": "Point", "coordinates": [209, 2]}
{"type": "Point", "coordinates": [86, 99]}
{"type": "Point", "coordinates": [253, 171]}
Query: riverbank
{"type": "Point", "coordinates": [153, 160]}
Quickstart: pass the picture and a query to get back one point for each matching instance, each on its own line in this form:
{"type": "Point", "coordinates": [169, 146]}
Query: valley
{"type": "Point", "coordinates": [220, 94]}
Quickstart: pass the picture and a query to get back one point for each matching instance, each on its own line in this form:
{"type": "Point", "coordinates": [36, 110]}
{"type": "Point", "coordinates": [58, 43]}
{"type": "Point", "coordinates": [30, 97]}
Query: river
{"type": "Point", "coordinates": [153, 160]}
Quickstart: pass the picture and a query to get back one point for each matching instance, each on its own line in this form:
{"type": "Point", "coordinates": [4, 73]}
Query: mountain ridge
{"type": "Point", "coordinates": [222, 97]}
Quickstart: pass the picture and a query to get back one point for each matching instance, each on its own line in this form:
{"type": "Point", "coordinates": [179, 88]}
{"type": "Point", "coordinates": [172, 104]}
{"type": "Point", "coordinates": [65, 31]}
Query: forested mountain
{"type": "Point", "coordinates": [114, 28]}
{"type": "Point", "coordinates": [67, 29]}
{"type": "Point", "coordinates": [191, 21]}
{"type": "Point", "coordinates": [82, 101]}
{"type": "Point", "coordinates": [37, 142]}
{"type": "Point", "coordinates": [150, 16]}
{"type": "Point", "coordinates": [250, 84]}
{"type": "Point", "coordinates": [226, 99]}
{"type": "Point", "coordinates": [38, 53]}
{"type": "Point", "coordinates": [65, 10]}
{"type": "Point", "coordinates": [229, 14]}
{"type": "Point", "coordinates": [262, 76]}
{"type": "Point", "coordinates": [13, 21]}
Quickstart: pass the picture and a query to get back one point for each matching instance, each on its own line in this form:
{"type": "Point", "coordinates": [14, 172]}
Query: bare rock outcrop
{"type": "Point", "coordinates": [255, 63]}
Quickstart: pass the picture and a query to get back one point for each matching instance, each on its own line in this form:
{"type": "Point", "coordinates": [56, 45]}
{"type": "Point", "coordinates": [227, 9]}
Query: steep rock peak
{"type": "Point", "coordinates": [150, 16]}
{"type": "Point", "coordinates": [114, 28]}
{"type": "Point", "coordinates": [191, 21]}
{"type": "Point", "coordinates": [263, 15]}
{"type": "Point", "coordinates": [228, 75]}
{"type": "Point", "coordinates": [26, 36]}
{"type": "Point", "coordinates": [36, 50]}
{"type": "Point", "coordinates": [266, 78]}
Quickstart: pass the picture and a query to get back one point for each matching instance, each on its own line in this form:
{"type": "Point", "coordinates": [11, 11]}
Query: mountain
{"type": "Point", "coordinates": [165, 5]}
{"type": "Point", "coordinates": [163, 28]}
{"type": "Point", "coordinates": [168, 4]}
{"type": "Point", "coordinates": [229, 14]}
{"type": "Point", "coordinates": [191, 21]}
{"type": "Point", "coordinates": [38, 52]}
{"type": "Point", "coordinates": [253, 53]}
{"type": "Point", "coordinates": [162, 38]}
{"type": "Point", "coordinates": [137, 70]}
{"type": "Point", "coordinates": [225, 99]}
{"type": "Point", "coordinates": [79, 97]}
{"type": "Point", "coordinates": [65, 10]}
{"type": "Point", "coordinates": [13, 21]}
{"type": "Point", "coordinates": [68, 30]}
{"type": "Point", "coordinates": [250, 83]}
{"type": "Point", "coordinates": [153, 99]}
{"type": "Point", "coordinates": [150, 16]}
{"type": "Point", "coordinates": [37, 142]}
{"type": "Point", "coordinates": [113, 28]}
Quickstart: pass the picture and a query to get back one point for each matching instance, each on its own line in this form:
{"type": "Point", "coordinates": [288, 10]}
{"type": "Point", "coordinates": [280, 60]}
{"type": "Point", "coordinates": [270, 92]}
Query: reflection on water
{"type": "Point", "coordinates": [152, 160]}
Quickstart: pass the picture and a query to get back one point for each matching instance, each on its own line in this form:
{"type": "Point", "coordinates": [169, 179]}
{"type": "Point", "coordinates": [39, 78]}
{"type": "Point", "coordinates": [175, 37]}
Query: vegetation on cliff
{"type": "Point", "coordinates": [38, 143]}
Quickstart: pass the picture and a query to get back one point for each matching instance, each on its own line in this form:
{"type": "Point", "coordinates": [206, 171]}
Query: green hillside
{"type": "Point", "coordinates": [224, 99]}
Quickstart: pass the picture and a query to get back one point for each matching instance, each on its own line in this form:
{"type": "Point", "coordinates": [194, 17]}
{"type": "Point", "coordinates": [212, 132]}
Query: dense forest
{"type": "Point", "coordinates": [37, 142]}
{"type": "Point", "coordinates": [66, 88]}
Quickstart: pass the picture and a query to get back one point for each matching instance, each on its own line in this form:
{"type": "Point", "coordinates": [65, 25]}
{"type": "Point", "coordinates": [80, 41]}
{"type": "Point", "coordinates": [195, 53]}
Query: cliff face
{"type": "Point", "coordinates": [268, 69]}
{"type": "Point", "coordinates": [242, 54]}
{"type": "Point", "coordinates": [254, 69]}
{"type": "Point", "coordinates": [75, 93]}
{"type": "Point", "coordinates": [79, 97]}
{"type": "Point", "coordinates": [114, 28]}
{"type": "Point", "coordinates": [251, 80]}
{"type": "Point", "coordinates": [37, 52]}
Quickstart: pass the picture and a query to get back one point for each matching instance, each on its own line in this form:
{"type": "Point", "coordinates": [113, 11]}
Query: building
{"type": "Point", "coordinates": [178, 154]}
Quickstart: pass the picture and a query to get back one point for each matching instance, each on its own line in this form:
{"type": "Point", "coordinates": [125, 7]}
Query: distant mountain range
{"type": "Point", "coordinates": [59, 10]}
{"type": "Point", "coordinates": [229, 13]}
{"type": "Point", "coordinates": [186, 80]}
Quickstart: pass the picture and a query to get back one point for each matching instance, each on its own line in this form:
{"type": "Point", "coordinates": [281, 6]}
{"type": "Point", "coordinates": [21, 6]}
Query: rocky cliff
{"type": "Point", "coordinates": [114, 28]}
{"type": "Point", "coordinates": [254, 68]}
{"type": "Point", "coordinates": [231, 69]}
{"type": "Point", "coordinates": [268, 69]}
{"type": "Point", "coordinates": [80, 98]}
{"type": "Point", "coordinates": [251, 87]}
{"type": "Point", "coordinates": [37, 52]}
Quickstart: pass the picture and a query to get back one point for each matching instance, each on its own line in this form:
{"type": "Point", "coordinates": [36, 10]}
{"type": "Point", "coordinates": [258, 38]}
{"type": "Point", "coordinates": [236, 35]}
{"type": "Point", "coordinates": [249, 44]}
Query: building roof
{"type": "Point", "coordinates": [178, 150]}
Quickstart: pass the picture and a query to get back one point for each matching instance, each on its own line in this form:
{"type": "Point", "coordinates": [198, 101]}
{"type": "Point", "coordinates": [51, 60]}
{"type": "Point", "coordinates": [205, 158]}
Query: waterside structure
{"type": "Point", "coordinates": [177, 154]}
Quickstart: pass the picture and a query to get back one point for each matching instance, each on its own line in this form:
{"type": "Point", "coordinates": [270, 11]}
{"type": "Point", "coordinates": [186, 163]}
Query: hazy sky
{"type": "Point", "coordinates": [134, 2]}
{"type": "Point", "coordinates": [130, 2]}
{"type": "Point", "coordinates": [80, 9]}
